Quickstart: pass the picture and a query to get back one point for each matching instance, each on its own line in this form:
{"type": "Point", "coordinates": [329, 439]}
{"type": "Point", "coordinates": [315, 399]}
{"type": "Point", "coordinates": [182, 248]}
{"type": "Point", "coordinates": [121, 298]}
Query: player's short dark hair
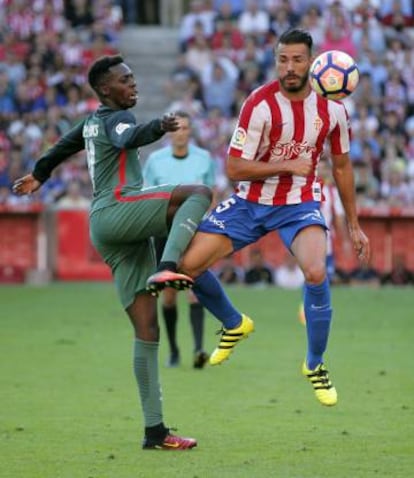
{"type": "Point", "coordinates": [296, 35]}
{"type": "Point", "coordinates": [100, 68]}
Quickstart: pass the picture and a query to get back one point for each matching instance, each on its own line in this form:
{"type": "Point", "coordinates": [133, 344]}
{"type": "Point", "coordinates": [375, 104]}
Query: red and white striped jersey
{"type": "Point", "coordinates": [273, 128]}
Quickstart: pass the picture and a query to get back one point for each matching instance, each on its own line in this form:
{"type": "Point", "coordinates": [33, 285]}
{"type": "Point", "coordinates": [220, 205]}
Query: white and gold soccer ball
{"type": "Point", "coordinates": [334, 75]}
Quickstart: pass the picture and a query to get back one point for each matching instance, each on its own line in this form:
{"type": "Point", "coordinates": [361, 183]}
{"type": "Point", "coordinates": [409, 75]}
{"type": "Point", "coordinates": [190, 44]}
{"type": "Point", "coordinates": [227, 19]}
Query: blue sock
{"type": "Point", "coordinates": [210, 293]}
{"type": "Point", "coordinates": [318, 314]}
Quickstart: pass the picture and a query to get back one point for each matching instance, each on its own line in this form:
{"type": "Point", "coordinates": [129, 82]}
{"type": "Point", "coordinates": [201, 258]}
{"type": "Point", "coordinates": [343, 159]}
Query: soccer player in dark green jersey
{"type": "Point", "coordinates": [124, 216]}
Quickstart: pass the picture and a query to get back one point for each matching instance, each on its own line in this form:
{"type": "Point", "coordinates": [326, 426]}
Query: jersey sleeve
{"type": "Point", "coordinates": [123, 131]}
{"type": "Point", "coordinates": [341, 133]}
{"type": "Point", "coordinates": [69, 144]}
{"type": "Point", "coordinates": [248, 133]}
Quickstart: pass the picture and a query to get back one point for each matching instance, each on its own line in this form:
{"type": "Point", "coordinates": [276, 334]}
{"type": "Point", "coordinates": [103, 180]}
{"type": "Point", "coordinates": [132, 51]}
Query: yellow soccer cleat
{"type": "Point", "coordinates": [324, 390]}
{"type": "Point", "coordinates": [229, 338]}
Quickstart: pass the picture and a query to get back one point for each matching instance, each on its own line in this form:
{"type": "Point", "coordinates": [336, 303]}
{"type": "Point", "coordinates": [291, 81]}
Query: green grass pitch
{"type": "Point", "coordinates": [69, 408]}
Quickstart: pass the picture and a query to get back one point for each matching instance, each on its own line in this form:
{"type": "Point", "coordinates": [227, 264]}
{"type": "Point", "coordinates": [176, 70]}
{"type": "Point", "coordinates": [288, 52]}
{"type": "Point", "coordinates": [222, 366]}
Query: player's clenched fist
{"type": "Point", "coordinates": [169, 122]}
{"type": "Point", "coordinates": [300, 166]}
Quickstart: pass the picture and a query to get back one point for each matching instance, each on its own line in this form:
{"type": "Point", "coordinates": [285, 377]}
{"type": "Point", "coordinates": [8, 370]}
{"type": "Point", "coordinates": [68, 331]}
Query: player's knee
{"type": "Point", "coordinates": [147, 333]}
{"type": "Point", "coordinates": [187, 268]}
{"type": "Point", "coordinates": [315, 273]}
{"type": "Point", "coordinates": [143, 316]}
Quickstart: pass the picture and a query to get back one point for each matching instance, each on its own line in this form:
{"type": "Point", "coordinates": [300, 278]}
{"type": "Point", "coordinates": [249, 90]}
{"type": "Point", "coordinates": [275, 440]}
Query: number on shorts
{"type": "Point", "coordinates": [226, 204]}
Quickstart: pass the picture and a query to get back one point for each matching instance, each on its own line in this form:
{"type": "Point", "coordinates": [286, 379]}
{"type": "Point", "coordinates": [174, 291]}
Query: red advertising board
{"type": "Point", "coordinates": [18, 241]}
{"type": "Point", "coordinates": [22, 244]}
{"type": "Point", "coordinates": [76, 258]}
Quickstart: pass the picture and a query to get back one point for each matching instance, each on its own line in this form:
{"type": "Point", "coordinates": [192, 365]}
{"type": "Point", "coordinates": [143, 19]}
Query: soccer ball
{"type": "Point", "coordinates": [334, 75]}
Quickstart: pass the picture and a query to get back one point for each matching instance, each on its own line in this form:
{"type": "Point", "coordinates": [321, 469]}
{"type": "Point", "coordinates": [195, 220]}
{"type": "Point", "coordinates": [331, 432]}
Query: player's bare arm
{"type": "Point", "coordinates": [344, 178]}
{"type": "Point", "coordinates": [239, 169]}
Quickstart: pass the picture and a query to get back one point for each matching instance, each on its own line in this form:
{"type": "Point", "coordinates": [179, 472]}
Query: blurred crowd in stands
{"type": "Point", "coordinates": [46, 47]}
{"type": "Point", "coordinates": [228, 50]}
{"type": "Point", "coordinates": [225, 50]}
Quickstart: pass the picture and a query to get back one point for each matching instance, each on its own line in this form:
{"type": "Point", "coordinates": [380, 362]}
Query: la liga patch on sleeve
{"type": "Point", "coordinates": [121, 127]}
{"type": "Point", "coordinates": [239, 138]}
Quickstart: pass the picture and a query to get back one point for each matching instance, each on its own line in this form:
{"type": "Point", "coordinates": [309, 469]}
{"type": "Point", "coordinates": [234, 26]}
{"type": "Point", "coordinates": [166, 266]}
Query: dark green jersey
{"type": "Point", "coordinates": [111, 138]}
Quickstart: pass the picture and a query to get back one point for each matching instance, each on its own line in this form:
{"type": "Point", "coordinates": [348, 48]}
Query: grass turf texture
{"type": "Point", "coordinates": [68, 403]}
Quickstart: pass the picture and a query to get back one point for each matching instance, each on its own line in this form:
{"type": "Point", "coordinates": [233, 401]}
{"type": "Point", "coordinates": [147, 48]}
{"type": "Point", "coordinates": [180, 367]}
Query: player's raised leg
{"type": "Point", "coordinates": [187, 206]}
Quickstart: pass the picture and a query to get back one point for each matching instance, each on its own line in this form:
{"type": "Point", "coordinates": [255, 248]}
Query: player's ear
{"type": "Point", "coordinates": [103, 89]}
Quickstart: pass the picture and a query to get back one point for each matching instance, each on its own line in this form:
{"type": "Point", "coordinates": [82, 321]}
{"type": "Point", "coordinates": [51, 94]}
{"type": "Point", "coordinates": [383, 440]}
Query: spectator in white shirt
{"type": "Point", "coordinates": [254, 21]}
{"type": "Point", "coordinates": [197, 14]}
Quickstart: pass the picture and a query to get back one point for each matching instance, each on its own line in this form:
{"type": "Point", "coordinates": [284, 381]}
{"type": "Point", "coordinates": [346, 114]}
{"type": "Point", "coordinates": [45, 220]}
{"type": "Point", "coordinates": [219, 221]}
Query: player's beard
{"type": "Point", "coordinates": [303, 80]}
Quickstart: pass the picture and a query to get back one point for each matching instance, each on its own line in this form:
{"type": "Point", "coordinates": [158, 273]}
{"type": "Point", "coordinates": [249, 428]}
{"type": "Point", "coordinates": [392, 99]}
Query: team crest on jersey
{"type": "Point", "coordinates": [121, 127]}
{"type": "Point", "coordinates": [317, 123]}
{"type": "Point", "coordinates": [239, 138]}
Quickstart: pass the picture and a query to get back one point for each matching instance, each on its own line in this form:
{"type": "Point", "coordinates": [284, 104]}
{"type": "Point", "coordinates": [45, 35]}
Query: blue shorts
{"type": "Point", "coordinates": [245, 222]}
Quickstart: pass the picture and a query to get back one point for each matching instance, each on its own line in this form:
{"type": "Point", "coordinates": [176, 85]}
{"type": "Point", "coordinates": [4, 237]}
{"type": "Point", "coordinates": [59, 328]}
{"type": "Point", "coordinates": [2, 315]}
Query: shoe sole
{"type": "Point", "coordinates": [154, 288]}
{"type": "Point", "coordinates": [167, 448]}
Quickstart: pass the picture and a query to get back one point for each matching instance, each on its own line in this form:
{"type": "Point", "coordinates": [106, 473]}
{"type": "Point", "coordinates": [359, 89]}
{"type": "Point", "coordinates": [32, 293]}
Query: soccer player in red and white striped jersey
{"type": "Point", "coordinates": [273, 128]}
{"type": "Point", "coordinates": [273, 156]}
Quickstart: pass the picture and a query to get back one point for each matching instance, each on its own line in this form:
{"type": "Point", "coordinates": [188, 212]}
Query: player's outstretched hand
{"type": "Point", "coordinates": [26, 185]}
{"type": "Point", "coordinates": [169, 122]}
